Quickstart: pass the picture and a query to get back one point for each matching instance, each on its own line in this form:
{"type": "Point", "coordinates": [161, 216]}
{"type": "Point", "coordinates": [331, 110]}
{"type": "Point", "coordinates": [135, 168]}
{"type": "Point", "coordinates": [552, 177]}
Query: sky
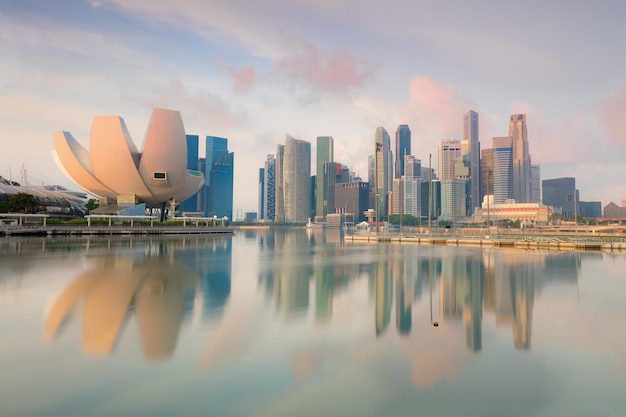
{"type": "Point", "coordinates": [255, 71]}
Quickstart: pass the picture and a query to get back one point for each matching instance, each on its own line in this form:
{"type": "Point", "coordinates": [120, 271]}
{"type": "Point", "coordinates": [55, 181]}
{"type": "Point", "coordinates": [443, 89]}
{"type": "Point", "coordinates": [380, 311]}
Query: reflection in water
{"type": "Point", "coordinates": [463, 283]}
{"type": "Point", "coordinates": [159, 285]}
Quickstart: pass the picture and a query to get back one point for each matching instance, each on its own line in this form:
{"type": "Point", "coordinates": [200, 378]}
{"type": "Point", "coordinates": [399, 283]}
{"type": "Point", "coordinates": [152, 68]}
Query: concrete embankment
{"type": "Point", "coordinates": [481, 242]}
{"type": "Point", "coordinates": [113, 230]}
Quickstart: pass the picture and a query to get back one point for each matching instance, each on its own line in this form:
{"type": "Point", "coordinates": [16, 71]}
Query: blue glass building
{"type": "Point", "coordinates": [191, 204]}
{"type": "Point", "coordinates": [218, 174]}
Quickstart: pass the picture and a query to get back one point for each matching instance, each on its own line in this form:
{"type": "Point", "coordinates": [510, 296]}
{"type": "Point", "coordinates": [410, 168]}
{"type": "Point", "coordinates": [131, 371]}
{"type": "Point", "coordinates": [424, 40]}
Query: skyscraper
{"type": "Point", "coordinates": [218, 176]}
{"type": "Point", "coordinates": [449, 151]}
{"type": "Point", "coordinates": [412, 185]}
{"type": "Point", "coordinates": [296, 179]}
{"type": "Point", "coordinates": [384, 169]}
{"type": "Point", "coordinates": [561, 193]}
{"type": "Point", "coordinates": [521, 158]}
{"type": "Point", "coordinates": [191, 204]}
{"type": "Point", "coordinates": [502, 169]}
{"type": "Point", "coordinates": [487, 173]}
{"type": "Point", "coordinates": [325, 153]}
{"type": "Point", "coordinates": [280, 193]}
{"type": "Point", "coordinates": [535, 184]}
{"type": "Point", "coordinates": [261, 210]}
{"type": "Point", "coordinates": [269, 201]}
{"type": "Point", "coordinates": [470, 133]}
{"type": "Point", "coordinates": [403, 148]}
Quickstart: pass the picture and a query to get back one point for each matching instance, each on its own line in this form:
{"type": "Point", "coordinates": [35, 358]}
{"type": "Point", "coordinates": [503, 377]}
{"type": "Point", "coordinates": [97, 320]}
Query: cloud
{"type": "Point", "coordinates": [434, 111]}
{"type": "Point", "coordinates": [611, 113]}
{"type": "Point", "coordinates": [198, 107]}
{"type": "Point", "coordinates": [336, 69]}
{"type": "Point", "coordinates": [245, 78]}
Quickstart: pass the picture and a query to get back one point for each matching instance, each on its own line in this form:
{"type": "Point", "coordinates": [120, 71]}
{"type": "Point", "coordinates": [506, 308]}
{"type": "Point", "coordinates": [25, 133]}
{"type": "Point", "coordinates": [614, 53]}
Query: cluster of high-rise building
{"type": "Point", "coordinates": [215, 198]}
{"type": "Point", "coordinates": [470, 183]}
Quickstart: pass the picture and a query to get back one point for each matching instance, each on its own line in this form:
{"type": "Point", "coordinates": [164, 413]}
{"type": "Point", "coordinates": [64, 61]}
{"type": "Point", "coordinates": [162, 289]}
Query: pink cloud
{"type": "Point", "coordinates": [435, 111]}
{"type": "Point", "coordinates": [244, 78]}
{"type": "Point", "coordinates": [197, 107]}
{"type": "Point", "coordinates": [329, 70]}
{"type": "Point", "coordinates": [611, 112]}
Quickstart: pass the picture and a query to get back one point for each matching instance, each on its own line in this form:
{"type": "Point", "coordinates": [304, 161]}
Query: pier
{"type": "Point", "coordinates": [563, 243]}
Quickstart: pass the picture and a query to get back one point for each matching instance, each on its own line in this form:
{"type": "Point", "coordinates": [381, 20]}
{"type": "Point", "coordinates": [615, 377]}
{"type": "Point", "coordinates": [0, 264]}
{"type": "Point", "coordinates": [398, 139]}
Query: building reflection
{"type": "Point", "coordinates": [160, 286]}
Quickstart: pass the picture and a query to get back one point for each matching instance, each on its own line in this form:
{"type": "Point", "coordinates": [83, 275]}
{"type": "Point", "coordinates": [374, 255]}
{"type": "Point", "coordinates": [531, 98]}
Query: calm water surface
{"type": "Point", "coordinates": [296, 323]}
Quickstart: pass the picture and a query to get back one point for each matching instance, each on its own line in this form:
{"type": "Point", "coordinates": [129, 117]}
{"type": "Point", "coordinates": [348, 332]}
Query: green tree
{"type": "Point", "coordinates": [8, 182]}
{"type": "Point", "coordinates": [92, 203]}
{"type": "Point", "coordinates": [23, 203]}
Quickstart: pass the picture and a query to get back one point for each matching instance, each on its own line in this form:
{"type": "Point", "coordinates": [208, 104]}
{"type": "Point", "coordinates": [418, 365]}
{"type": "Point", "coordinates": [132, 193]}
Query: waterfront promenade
{"type": "Point", "coordinates": [105, 230]}
{"type": "Point", "coordinates": [563, 241]}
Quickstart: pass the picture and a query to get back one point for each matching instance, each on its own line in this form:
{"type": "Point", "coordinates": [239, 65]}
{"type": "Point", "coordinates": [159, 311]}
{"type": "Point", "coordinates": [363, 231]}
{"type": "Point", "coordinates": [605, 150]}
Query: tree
{"type": "Point", "coordinates": [92, 203]}
{"type": "Point", "coordinates": [23, 203]}
{"type": "Point", "coordinates": [8, 182]}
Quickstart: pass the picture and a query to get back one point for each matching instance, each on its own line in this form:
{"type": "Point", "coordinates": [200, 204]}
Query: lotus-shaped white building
{"type": "Point", "coordinates": [114, 170]}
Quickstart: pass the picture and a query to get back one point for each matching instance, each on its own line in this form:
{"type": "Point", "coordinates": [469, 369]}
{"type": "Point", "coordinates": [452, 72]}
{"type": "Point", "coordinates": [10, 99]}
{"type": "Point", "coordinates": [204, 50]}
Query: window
{"type": "Point", "coordinates": [159, 175]}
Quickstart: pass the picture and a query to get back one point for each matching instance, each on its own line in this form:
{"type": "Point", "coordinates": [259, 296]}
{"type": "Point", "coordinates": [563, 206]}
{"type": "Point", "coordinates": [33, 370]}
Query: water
{"type": "Point", "coordinates": [296, 323]}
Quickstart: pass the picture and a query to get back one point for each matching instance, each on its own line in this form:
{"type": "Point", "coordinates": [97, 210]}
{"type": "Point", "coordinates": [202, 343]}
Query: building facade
{"type": "Point", "coordinates": [502, 169]}
{"type": "Point", "coordinates": [561, 193]}
{"type": "Point", "coordinates": [403, 148]}
{"type": "Point", "coordinates": [219, 175]}
{"type": "Point", "coordinates": [325, 153]}
{"type": "Point", "coordinates": [296, 180]}
{"type": "Point", "coordinates": [269, 181]}
{"type": "Point", "coordinates": [353, 197]}
{"type": "Point", "coordinates": [470, 133]}
{"type": "Point", "coordinates": [521, 158]}
{"type": "Point", "coordinates": [449, 151]}
{"type": "Point", "coordinates": [384, 170]}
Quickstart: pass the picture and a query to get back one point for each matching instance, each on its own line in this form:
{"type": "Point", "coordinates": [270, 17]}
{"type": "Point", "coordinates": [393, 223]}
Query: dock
{"type": "Point", "coordinates": [120, 230]}
{"type": "Point", "coordinates": [527, 243]}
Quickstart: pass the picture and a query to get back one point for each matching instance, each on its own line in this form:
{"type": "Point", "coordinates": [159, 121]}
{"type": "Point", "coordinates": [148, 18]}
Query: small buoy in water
{"type": "Point", "coordinates": [436, 323]}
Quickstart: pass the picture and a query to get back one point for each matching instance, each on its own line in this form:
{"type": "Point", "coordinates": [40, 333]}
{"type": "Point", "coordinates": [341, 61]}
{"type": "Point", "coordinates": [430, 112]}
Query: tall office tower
{"type": "Point", "coordinates": [453, 202]}
{"type": "Point", "coordinates": [296, 175]}
{"type": "Point", "coordinates": [397, 196]}
{"type": "Point", "coordinates": [333, 173]}
{"type": "Point", "coordinates": [521, 158]}
{"type": "Point", "coordinates": [535, 184]}
{"type": "Point", "coordinates": [470, 133]}
{"type": "Point", "coordinates": [192, 203]}
{"type": "Point", "coordinates": [325, 153]}
{"type": "Point", "coordinates": [486, 187]}
{"type": "Point", "coordinates": [502, 169]}
{"type": "Point", "coordinates": [353, 197]}
{"type": "Point", "coordinates": [449, 151]}
{"type": "Point", "coordinates": [403, 148]}
{"type": "Point", "coordinates": [219, 173]}
{"type": "Point", "coordinates": [412, 186]}
{"type": "Point", "coordinates": [384, 169]}
{"type": "Point", "coordinates": [280, 192]}
{"type": "Point", "coordinates": [269, 201]}
{"type": "Point", "coordinates": [262, 193]}
{"type": "Point", "coordinates": [561, 193]}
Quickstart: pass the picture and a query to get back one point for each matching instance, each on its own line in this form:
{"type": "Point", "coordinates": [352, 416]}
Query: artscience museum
{"type": "Point", "coordinates": [114, 170]}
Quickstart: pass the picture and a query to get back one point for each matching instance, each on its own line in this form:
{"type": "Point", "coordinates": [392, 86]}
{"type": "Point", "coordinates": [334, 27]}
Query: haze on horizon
{"type": "Point", "coordinates": [255, 71]}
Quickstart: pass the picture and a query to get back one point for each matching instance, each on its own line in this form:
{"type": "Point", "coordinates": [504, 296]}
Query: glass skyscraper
{"type": "Point", "coordinates": [502, 169]}
{"type": "Point", "coordinates": [403, 148]}
{"type": "Point", "coordinates": [191, 204]}
{"type": "Point", "coordinates": [470, 133]}
{"type": "Point", "coordinates": [293, 180]}
{"type": "Point", "coordinates": [325, 151]}
{"type": "Point", "coordinates": [219, 175]}
{"type": "Point", "coordinates": [384, 169]}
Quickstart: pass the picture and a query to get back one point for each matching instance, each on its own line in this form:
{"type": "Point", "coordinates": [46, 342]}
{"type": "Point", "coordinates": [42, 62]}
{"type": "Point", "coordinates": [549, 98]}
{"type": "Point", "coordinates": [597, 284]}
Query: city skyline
{"type": "Point", "coordinates": [251, 75]}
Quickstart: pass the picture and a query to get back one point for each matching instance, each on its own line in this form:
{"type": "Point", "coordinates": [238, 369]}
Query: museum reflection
{"type": "Point", "coordinates": [160, 285]}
